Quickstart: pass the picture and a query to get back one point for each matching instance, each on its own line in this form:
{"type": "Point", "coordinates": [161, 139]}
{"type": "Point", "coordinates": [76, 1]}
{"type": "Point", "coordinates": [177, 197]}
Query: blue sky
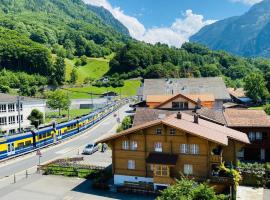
{"type": "Point", "coordinates": [161, 13]}
{"type": "Point", "coordinates": [171, 22]}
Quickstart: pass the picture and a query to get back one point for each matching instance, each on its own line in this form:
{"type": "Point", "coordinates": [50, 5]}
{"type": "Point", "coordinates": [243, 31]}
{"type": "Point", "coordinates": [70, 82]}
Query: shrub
{"type": "Point", "coordinates": [267, 108]}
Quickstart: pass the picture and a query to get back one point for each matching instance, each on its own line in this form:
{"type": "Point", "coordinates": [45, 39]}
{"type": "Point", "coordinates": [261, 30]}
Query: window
{"type": "Point", "coordinates": [131, 164]}
{"type": "Point", "coordinates": [3, 108]}
{"type": "Point", "coordinates": [28, 143]}
{"type": "Point", "coordinates": [161, 170]}
{"type": "Point", "coordinates": [125, 145]}
{"type": "Point", "coordinates": [262, 154]}
{"type": "Point", "coordinates": [194, 149]}
{"type": "Point", "coordinates": [3, 121]}
{"type": "Point", "coordinates": [252, 136]}
{"type": "Point", "coordinates": [188, 169]}
{"type": "Point", "coordinates": [172, 131]}
{"type": "Point", "coordinates": [11, 120]}
{"type": "Point", "coordinates": [184, 148]}
{"type": "Point", "coordinates": [151, 168]}
{"type": "Point", "coordinates": [158, 131]}
{"type": "Point", "coordinates": [12, 131]}
{"type": "Point", "coordinates": [20, 145]}
{"type": "Point", "coordinates": [180, 105]}
{"type": "Point", "coordinates": [18, 118]}
{"type": "Point", "coordinates": [20, 107]}
{"type": "Point", "coordinates": [133, 145]}
{"type": "Point", "coordinates": [11, 107]}
{"type": "Point", "coordinates": [158, 147]}
{"type": "Point", "coordinates": [258, 135]}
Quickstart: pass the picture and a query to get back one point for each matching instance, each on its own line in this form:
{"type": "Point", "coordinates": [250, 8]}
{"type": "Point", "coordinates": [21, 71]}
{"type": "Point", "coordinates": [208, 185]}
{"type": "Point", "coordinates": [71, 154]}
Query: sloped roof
{"type": "Point", "coordinates": [175, 97]}
{"type": "Point", "coordinates": [212, 114]}
{"type": "Point", "coordinates": [214, 85]}
{"type": "Point", "coordinates": [246, 118]}
{"type": "Point", "coordinates": [143, 115]}
{"type": "Point", "coordinates": [238, 92]}
{"type": "Point", "coordinates": [13, 98]}
{"type": "Point", "coordinates": [204, 129]}
{"type": "Point", "coordinates": [158, 98]}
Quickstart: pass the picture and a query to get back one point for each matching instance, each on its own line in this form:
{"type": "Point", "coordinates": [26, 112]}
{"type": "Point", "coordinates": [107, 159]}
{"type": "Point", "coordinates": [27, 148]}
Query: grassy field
{"type": "Point", "coordinates": [95, 68]}
{"type": "Point", "coordinates": [129, 89]}
{"type": "Point", "coordinates": [51, 116]}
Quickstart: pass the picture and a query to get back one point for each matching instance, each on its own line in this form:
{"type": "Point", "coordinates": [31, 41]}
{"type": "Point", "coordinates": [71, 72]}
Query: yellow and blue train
{"type": "Point", "coordinates": [26, 142]}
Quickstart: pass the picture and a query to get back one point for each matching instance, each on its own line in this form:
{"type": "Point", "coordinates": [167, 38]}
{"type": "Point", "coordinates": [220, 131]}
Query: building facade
{"type": "Point", "coordinates": [14, 112]}
{"type": "Point", "coordinates": [162, 150]}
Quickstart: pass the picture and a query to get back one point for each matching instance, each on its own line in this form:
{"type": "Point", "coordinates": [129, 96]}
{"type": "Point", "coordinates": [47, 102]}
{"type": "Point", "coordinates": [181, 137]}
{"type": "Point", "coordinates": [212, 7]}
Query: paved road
{"type": "Point", "coordinates": [64, 149]}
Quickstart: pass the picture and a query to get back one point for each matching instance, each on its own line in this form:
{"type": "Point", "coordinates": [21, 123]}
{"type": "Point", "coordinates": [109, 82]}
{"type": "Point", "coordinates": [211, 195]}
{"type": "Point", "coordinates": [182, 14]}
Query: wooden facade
{"type": "Point", "coordinates": [198, 163]}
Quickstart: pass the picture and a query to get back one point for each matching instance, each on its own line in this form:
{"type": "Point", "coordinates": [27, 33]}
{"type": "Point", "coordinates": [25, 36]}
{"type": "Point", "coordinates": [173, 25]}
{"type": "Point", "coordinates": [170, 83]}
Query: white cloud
{"type": "Point", "coordinates": [247, 2]}
{"type": "Point", "coordinates": [174, 35]}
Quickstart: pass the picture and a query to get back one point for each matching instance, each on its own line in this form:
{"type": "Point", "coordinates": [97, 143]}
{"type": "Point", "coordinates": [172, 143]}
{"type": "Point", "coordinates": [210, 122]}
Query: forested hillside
{"type": "Point", "coordinates": [192, 60]}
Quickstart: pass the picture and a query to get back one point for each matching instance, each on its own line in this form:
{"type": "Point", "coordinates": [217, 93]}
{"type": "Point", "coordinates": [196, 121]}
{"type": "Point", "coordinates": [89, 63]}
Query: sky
{"type": "Point", "coordinates": [171, 22]}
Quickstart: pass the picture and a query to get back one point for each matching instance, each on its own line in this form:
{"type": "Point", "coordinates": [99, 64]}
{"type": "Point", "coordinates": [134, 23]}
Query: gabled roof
{"type": "Point", "coordinates": [175, 97]}
{"type": "Point", "coordinates": [204, 129]}
{"type": "Point", "coordinates": [214, 85]}
{"type": "Point", "coordinates": [158, 98]}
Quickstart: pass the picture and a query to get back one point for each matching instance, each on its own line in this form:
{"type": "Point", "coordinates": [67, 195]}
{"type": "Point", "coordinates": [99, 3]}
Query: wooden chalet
{"type": "Point", "coordinates": [159, 151]}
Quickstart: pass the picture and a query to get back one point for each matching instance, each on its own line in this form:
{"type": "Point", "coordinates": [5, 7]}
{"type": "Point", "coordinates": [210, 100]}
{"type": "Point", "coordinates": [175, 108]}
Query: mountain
{"type": "Point", "coordinates": [246, 35]}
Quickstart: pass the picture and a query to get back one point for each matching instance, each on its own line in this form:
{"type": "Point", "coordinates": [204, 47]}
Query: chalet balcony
{"type": "Point", "coordinates": [215, 158]}
{"type": "Point", "coordinates": [164, 180]}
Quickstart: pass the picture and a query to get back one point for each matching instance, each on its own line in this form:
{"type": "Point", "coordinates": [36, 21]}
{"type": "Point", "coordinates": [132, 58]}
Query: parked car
{"type": "Point", "coordinates": [90, 148]}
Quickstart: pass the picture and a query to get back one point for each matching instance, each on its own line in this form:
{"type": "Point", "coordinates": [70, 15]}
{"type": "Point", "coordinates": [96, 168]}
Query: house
{"type": "Point", "coordinates": [15, 110]}
{"type": "Point", "coordinates": [180, 101]}
{"type": "Point", "coordinates": [255, 123]}
{"type": "Point", "coordinates": [188, 86]}
{"type": "Point", "coordinates": [238, 95]}
{"type": "Point", "coordinates": [160, 150]}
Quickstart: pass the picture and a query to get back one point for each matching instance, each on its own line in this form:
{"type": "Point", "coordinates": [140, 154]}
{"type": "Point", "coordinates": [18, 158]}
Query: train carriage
{"type": "Point", "coordinates": [67, 129]}
{"type": "Point", "coordinates": [45, 136]}
{"type": "Point", "coordinates": [16, 144]}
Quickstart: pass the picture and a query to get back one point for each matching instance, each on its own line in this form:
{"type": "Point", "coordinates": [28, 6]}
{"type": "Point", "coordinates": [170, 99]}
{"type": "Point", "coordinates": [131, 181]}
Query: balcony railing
{"type": "Point", "coordinates": [216, 158]}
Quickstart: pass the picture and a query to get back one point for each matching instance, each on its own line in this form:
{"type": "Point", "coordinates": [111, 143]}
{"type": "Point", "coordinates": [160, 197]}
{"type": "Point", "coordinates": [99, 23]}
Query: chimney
{"type": "Point", "coordinates": [179, 115]}
{"type": "Point", "coordinates": [196, 118]}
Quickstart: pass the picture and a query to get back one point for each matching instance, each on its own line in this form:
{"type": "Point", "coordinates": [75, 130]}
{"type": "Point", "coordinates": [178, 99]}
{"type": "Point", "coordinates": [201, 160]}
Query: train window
{"type": "Point", "coordinates": [20, 145]}
{"type": "Point", "coordinates": [39, 137]}
{"type": "Point", "coordinates": [28, 143]}
{"type": "Point", "coordinates": [49, 134]}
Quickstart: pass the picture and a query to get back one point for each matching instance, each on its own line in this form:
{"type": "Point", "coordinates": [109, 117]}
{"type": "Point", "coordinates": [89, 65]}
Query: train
{"type": "Point", "coordinates": [28, 141]}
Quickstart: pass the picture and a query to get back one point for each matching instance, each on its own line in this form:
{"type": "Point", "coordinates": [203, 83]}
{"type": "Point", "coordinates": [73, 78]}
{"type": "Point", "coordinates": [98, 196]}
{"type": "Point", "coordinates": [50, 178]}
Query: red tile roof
{"type": "Point", "coordinates": [204, 129]}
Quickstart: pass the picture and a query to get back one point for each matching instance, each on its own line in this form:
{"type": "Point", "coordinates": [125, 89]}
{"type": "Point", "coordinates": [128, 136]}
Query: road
{"type": "Point", "coordinates": [66, 148]}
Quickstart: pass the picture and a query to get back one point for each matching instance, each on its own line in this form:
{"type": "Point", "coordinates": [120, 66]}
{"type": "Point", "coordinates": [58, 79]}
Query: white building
{"type": "Point", "coordinates": [11, 118]}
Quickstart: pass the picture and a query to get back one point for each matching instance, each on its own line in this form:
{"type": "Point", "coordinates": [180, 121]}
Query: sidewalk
{"type": "Point", "coordinates": [249, 193]}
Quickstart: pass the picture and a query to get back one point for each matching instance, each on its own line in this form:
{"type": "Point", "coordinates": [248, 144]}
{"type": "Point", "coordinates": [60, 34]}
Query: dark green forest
{"type": "Point", "coordinates": [32, 32]}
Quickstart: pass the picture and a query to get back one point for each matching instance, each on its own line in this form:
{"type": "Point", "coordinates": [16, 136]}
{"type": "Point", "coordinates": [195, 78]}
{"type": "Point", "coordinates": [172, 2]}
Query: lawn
{"type": "Point", "coordinates": [53, 116]}
{"type": "Point", "coordinates": [256, 108]}
{"type": "Point", "coordinates": [94, 69]}
{"type": "Point", "coordinates": [129, 89]}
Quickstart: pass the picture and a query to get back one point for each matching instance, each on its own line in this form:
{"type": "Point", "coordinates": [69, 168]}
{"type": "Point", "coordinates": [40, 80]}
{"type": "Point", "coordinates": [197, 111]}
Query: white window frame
{"type": "Point", "coordinates": [3, 108]}
{"type": "Point", "coordinates": [158, 131]}
{"type": "Point", "coordinates": [194, 149]}
{"type": "Point", "coordinates": [262, 154]}
{"type": "Point", "coordinates": [11, 120]}
{"type": "Point", "coordinates": [252, 136]}
{"type": "Point", "coordinates": [131, 164]}
{"type": "Point", "coordinates": [188, 169]}
{"type": "Point", "coordinates": [259, 135]}
{"type": "Point", "coordinates": [158, 146]}
{"type": "Point", "coordinates": [184, 148]}
{"type": "Point", "coordinates": [172, 131]}
{"type": "Point", "coordinates": [3, 120]}
{"type": "Point", "coordinates": [11, 107]}
{"type": "Point", "coordinates": [133, 145]}
{"type": "Point", "coordinates": [18, 118]}
{"type": "Point", "coordinates": [125, 145]}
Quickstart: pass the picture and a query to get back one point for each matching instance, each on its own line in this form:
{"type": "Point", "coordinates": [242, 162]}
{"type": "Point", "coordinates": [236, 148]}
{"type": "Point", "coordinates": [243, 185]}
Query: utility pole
{"type": "Point", "coordinates": [19, 112]}
{"type": "Point", "coordinates": [68, 106]}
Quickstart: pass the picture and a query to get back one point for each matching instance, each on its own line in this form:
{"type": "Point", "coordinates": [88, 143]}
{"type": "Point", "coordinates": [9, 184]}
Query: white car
{"type": "Point", "coordinates": [90, 148]}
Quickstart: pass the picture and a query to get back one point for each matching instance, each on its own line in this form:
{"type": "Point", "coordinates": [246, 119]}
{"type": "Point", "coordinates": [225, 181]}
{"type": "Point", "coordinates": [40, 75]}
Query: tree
{"type": "Point", "coordinates": [255, 87]}
{"type": "Point", "coordinates": [73, 76]}
{"type": "Point", "coordinates": [186, 189]}
{"type": "Point", "coordinates": [36, 117]}
{"type": "Point", "coordinates": [4, 88]}
{"type": "Point", "coordinates": [83, 60]}
{"type": "Point", "coordinates": [126, 124]}
{"type": "Point", "coordinates": [60, 71]}
{"type": "Point", "coordinates": [266, 108]}
{"type": "Point", "coordinates": [58, 99]}
{"type": "Point", "coordinates": [210, 71]}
